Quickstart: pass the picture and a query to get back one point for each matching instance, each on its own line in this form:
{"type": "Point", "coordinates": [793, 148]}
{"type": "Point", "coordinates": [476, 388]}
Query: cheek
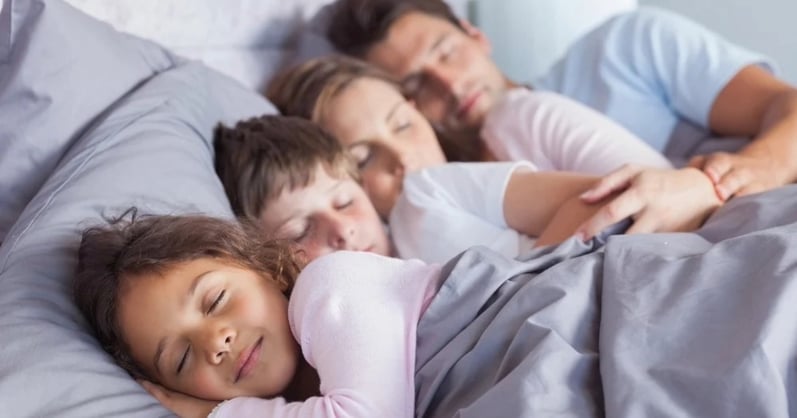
{"type": "Point", "coordinates": [427, 148]}
{"type": "Point", "coordinates": [205, 383]}
{"type": "Point", "coordinates": [314, 250]}
{"type": "Point", "coordinates": [382, 193]}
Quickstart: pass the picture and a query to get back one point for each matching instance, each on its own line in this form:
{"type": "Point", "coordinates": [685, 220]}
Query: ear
{"type": "Point", "coordinates": [477, 35]}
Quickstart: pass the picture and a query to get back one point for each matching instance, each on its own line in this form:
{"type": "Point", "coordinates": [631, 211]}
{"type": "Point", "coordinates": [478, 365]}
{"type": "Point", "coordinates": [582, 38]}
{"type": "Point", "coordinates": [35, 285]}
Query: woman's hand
{"type": "Point", "coordinates": [182, 405]}
{"type": "Point", "coordinates": [658, 200]}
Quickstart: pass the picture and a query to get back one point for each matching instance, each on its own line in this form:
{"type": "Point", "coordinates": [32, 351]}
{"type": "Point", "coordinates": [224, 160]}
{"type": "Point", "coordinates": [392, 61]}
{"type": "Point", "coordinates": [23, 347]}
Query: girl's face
{"type": "Point", "coordinates": [210, 329]}
{"type": "Point", "coordinates": [385, 133]}
{"type": "Point", "coordinates": [327, 215]}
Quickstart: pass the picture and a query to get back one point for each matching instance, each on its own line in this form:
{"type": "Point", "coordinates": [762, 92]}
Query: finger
{"type": "Point", "coordinates": [750, 188]}
{"type": "Point", "coordinates": [731, 182]}
{"type": "Point", "coordinates": [697, 162]}
{"type": "Point", "coordinates": [612, 182]}
{"type": "Point", "coordinates": [623, 206]}
{"type": "Point", "coordinates": [646, 222]}
{"type": "Point", "coordinates": [717, 165]}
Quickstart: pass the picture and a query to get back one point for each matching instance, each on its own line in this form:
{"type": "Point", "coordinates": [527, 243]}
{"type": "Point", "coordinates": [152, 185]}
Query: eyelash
{"type": "Point", "coordinates": [346, 204]}
{"type": "Point", "coordinates": [183, 360]}
{"type": "Point", "coordinates": [362, 163]}
{"type": "Point", "coordinates": [210, 310]}
{"type": "Point", "coordinates": [403, 126]}
{"type": "Point", "coordinates": [216, 302]}
{"type": "Point", "coordinates": [305, 232]}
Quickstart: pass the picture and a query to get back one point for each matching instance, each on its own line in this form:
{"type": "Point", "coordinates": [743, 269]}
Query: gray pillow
{"type": "Point", "coordinates": [152, 149]}
{"type": "Point", "coordinates": [58, 70]}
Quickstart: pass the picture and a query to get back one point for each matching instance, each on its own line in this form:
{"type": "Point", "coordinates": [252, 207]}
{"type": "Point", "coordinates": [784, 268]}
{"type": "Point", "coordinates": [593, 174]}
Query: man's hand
{"type": "Point", "coordinates": [183, 406]}
{"type": "Point", "coordinates": [658, 200]}
{"type": "Point", "coordinates": [738, 174]}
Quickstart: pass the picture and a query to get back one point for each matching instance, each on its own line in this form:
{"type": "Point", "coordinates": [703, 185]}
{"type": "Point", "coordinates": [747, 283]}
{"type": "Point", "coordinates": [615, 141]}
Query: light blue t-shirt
{"type": "Point", "coordinates": [649, 70]}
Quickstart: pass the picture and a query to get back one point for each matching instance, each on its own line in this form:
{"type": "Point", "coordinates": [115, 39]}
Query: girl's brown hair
{"type": "Point", "coordinates": [114, 255]}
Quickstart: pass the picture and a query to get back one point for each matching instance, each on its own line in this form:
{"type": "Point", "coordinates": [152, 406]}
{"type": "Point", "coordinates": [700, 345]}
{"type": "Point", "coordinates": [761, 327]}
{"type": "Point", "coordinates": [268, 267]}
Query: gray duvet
{"type": "Point", "coordinates": [662, 325]}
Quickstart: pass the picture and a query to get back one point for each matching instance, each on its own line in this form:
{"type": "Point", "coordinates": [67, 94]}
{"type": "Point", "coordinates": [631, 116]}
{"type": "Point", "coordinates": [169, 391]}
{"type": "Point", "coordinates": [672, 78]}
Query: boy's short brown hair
{"type": "Point", "coordinates": [260, 157]}
{"type": "Point", "coordinates": [356, 25]}
{"type": "Point", "coordinates": [305, 89]}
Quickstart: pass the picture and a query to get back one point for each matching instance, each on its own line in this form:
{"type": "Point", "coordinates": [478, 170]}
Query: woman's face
{"type": "Point", "coordinates": [386, 134]}
{"type": "Point", "coordinates": [210, 329]}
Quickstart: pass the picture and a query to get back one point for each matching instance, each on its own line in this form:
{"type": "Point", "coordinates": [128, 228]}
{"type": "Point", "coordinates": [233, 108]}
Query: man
{"type": "Point", "coordinates": [649, 70]}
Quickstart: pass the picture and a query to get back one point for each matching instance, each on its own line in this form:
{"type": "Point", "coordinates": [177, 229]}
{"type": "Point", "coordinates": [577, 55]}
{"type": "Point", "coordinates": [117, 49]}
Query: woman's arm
{"type": "Point", "coordinates": [557, 133]}
{"type": "Point", "coordinates": [547, 204]}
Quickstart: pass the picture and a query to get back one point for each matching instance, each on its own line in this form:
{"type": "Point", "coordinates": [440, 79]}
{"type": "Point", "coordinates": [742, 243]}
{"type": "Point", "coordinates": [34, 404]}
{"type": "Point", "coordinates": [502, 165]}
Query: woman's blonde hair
{"type": "Point", "coordinates": [305, 90]}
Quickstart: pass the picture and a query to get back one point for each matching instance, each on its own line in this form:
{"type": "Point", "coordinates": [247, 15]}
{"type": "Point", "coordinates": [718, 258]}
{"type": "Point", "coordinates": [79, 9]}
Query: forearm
{"type": "Point", "coordinates": [566, 220]}
{"type": "Point", "coordinates": [777, 138]}
{"type": "Point", "coordinates": [533, 200]}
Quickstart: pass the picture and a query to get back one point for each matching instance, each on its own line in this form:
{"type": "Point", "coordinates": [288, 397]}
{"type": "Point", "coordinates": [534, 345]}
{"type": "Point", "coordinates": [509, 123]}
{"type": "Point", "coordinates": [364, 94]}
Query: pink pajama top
{"type": "Point", "coordinates": [355, 316]}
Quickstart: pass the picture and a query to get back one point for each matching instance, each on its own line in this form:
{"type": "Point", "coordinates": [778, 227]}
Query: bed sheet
{"type": "Point", "coordinates": [659, 325]}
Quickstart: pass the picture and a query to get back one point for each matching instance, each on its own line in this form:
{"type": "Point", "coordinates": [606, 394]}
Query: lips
{"type": "Point", "coordinates": [467, 104]}
{"type": "Point", "coordinates": [248, 360]}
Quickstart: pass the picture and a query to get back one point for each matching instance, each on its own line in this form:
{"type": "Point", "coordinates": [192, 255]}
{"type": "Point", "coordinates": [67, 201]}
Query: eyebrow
{"type": "Point", "coordinates": [394, 109]}
{"type": "Point", "coordinates": [279, 226]}
{"type": "Point", "coordinates": [416, 74]}
{"type": "Point", "coordinates": [390, 114]}
{"type": "Point", "coordinates": [164, 340]}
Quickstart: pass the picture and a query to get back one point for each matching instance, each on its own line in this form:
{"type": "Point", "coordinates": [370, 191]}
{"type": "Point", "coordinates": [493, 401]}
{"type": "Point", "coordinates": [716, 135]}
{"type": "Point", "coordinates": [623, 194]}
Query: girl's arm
{"type": "Point", "coordinates": [355, 317]}
{"type": "Point", "coordinates": [547, 204]}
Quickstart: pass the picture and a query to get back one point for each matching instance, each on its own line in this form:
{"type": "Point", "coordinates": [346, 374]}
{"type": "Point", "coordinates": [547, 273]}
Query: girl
{"type": "Point", "coordinates": [197, 309]}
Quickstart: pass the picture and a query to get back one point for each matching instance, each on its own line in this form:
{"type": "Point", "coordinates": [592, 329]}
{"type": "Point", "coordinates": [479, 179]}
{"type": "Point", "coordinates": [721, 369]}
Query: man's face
{"type": "Point", "coordinates": [447, 70]}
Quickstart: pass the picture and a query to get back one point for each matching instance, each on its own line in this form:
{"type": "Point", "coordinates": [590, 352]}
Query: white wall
{"type": "Point", "coordinates": [766, 26]}
{"type": "Point", "coordinates": [529, 35]}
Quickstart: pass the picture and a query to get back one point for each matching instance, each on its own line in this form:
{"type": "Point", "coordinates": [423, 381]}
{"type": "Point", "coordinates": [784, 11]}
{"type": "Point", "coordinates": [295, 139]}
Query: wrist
{"type": "Point", "coordinates": [707, 178]}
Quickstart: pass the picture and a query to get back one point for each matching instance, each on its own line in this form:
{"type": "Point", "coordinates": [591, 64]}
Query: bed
{"type": "Point", "coordinates": [95, 120]}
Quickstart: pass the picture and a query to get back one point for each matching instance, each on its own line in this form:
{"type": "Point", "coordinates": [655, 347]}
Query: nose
{"type": "Point", "coordinates": [399, 157]}
{"type": "Point", "coordinates": [342, 231]}
{"type": "Point", "coordinates": [445, 76]}
{"type": "Point", "coordinates": [217, 342]}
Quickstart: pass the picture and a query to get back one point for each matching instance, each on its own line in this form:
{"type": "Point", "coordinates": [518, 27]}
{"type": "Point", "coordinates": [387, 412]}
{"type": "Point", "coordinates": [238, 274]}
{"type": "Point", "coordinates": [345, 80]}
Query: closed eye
{"type": "Point", "coordinates": [403, 126]}
{"type": "Point", "coordinates": [183, 360]}
{"type": "Point", "coordinates": [302, 235]}
{"type": "Point", "coordinates": [217, 301]}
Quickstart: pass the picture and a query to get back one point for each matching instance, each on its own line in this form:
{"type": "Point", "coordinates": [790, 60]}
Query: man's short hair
{"type": "Point", "coordinates": [260, 157]}
{"type": "Point", "coordinates": [357, 25]}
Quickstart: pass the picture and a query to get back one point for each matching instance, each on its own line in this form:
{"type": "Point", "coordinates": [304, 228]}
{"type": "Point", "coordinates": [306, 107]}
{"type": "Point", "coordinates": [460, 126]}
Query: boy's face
{"type": "Point", "coordinates": [329, 214]}
{"type": "Point", "coordinates": [386, 135]}
{"type": "Point", "coordinates": [447, 71]}
{"type": "Point", "coordinates": [211, 330]}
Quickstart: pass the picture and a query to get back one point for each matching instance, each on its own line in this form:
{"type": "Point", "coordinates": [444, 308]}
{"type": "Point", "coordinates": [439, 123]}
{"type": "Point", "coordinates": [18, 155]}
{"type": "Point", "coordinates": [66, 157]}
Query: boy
{"type": "Point", "coordinates": [299, 184]}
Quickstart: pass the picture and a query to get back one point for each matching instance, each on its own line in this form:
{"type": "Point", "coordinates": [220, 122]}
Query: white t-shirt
{"type": "Point", "coordinates": [447, 209]}
{"type": "Point", "coordinates": [557, 133]}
